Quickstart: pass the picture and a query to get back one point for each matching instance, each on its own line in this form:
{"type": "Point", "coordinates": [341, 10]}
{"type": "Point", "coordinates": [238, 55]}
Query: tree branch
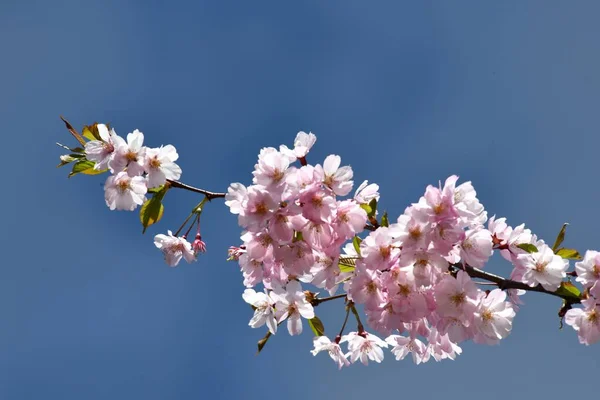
{"type": "Point", "coordinates": [506, 284]}
{"type": "Point", "coordinates": [181, 185]}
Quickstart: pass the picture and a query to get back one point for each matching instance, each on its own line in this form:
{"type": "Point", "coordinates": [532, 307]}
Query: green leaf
{"type": "Point", "coordinates": [90, 132]}
{"type": "Point", "coordinates": [152, 210]}
{"type": "Point", "coordinates": [528, 247]}
{"type": "Point", "coordinates": [569, 254]}
{"type": "Point", "coordinates": [156, 189]}
{"type": "Point", "coordinates": [356, 241]}
{"type": "Point", "coordinates": [263, 341]}
{"type": "Point", "coordinates": [346, 267]}
{"type": "Point", "coordinates": [85, 167]}
{"type": "Point", "coordinates": [384, 219]}
{"type": "Point", "coordinates": [69, 158]}
{"type": "Point", "coordinates": [317, 326]}
{"type": "Point", "coordinates": [367, 208]}
{"type": "Point", "coordinates": [560, 238]}
{"type": "Point", "coordinates": [567, 289]}
{"type": "Point", "coordinates": [373, 205]}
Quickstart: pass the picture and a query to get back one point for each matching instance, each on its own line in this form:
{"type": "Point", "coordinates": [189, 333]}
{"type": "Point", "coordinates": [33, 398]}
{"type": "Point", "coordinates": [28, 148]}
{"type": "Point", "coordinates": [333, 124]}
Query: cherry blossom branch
{"type": "Point", "coordinates": [317, 301]}
{"type": "Point", "coordinates": [208, 194]}
{"type": "Point", "coordinates": [506, 284]}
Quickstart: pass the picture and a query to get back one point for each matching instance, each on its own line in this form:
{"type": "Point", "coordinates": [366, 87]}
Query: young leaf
{"type": "Point", "coordinates": [152, 210]}
{"type": "Point", "coordinates": [90, 132]}
{"type": "Point", "coordinates": [569, 254]}
{"type": "Point", "coordinates": [367, 209]}
{"type": "Point", "coordinates": [261, 343]}
{"type": "Point", "coordinates": [356, 241]}
{"type": "Point", "coordinates": [85, 167]}
{"type": "Point", "coordinates": [384, 219]}
{"type": "Point", "coordinates": [346, 267]}
{"type": "Point", "coordinates": [528, 247]}
{"type": "Point", "coordinates": [567, 289]}
{"type": "Point", "coordinates": [317, 326]}
{"type": "Point", "coordinates": [373, 206]}
{"type": "Point", "coordinates": [73, 132]}
{"type": "Point", "coordinates": [560, 238]}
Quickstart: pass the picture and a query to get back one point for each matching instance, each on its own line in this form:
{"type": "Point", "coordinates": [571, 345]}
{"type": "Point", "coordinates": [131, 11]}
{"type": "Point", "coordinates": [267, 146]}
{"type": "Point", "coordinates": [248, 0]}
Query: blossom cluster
{"type": "Point", "coordinates": [134, 167]}
{"type": "Point", "coordinates": [410, 276]}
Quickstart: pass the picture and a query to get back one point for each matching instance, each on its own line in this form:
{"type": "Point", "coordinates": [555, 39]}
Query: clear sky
{"type": "Point", "coordinates": [504, 94]}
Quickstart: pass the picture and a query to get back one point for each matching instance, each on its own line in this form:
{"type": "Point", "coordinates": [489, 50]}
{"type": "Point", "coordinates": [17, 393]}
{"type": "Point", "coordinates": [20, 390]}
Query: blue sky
{"type": "Point", "coordinates": [504, 94]}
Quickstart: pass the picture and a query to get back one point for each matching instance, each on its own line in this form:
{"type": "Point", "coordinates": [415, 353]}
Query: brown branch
{"type": "Point", "coordinates": [317, 301]}
{"type": "Point", "coordinates": [506, 284]}
{"type": "Point", "coordinates": [181, 185]}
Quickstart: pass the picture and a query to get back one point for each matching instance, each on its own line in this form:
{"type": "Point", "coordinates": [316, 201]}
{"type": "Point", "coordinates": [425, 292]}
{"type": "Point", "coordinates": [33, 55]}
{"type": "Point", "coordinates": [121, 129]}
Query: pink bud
{"type": "Point", "coordinates": [199, 245]}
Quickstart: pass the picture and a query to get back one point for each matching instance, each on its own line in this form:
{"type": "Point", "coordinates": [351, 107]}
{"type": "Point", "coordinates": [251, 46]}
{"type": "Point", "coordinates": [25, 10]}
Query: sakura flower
{"type": "Point", "coordinates": [258, 208]}
{"type": "Point", "coordinates": [588, 270]}
{"type": "Point", "coordinates": [476, 249]}
{"type": "Point", "coordinates": [291, 304]}
{"type": "Point", "coordinates": [252, 270]}
{"type": "Point", "coordinates": [456, 297]}
{"type": "Point", "coordinates": [236, 197]}
{"type": "Point", "coordinates": [129, 154]}
{"type": "Point", "coordinates": [350, 218]}
{"type": "Point", "coordinates": [302, 145]}
{"type": "Point", "coordinates": [494, 315]}
{"type": "Point", "coordinates": [402, 346]}
{"type": "Point", "coordinates": [123, 192]}
{"type": "Point", "coordinates": [441, 347]}
{"type": "Point", "coordinates": [366, 287]}
{"type": "Point", "coordinates": [379, 250]}
{"type": "Point", "coordinates": [264, 313]}
{"type": "Point", "coordinates": [595, 290]}
{"type": "Point", "coordinates": [174, 248]}
{"type": "Point", "coordinates": [322, 343]}
{"type": "Point", "coordinates": [364, 346]}
{"type": "Point", "coordinates": [365, 193]}
{"type": "Point", "coordinates": [271, 168]}
{"type": "Point", "coordinates": [437, 204]}
{"type": "Point", "coordinates": [466, 203]}
{"type": "Point", "coordinates": [407, 299]}
{"type": "Point", "coordinates": [585, 321]}
{"type": "Point", "coordinates": [513, 238]}
{"type": "Point", "coordinates": [101, 151]}
{"type": "Point", "coordinates": [338, 179]}
{"type": "Point", "coordinates": [160, 165]}
{"type": "Point", "coordinates": [543, 267]}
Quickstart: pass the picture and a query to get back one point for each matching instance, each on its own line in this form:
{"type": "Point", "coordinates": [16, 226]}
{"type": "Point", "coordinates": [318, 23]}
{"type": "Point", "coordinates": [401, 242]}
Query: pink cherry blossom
{"type": "Point", "coordinates": [476, 248]}
{"type": "Point", "coordinates": [543, 267]}
{"type": "Point", "coordinates": [350, 219]}
{"type": "Point", "coordinates": [379, 249]}
{"type": "Point", "coordinates": [264, 313]}
{"type": "Point", "coordinates": [456, 297]}
{"type": "Point", "coordinates": [336, 178]}
{"type": "Point", "coordinates": [588, 270]}
{"type": "Point", "coordinates": [130, 154]}
{"type": "Point", "coordinates": [322, 343]}
{"type": "Point", "coordinates": [402, 346]}
{"type": "Point", "coordinates": [494, 315]}
{"type": "Point", "coordinates": [585, 321]}
{"type": "Point", "coordinates": [160, 165]}
{"type": "Point", "coordinates": [291, 304]}
{"type": "Point", "coordinates": [174, 248]}
{"type": "Point", "coordinates": [302, 145]}
{"type": "Point", "coordinates": [123, 192]}
{"type": "Point", "coordinates": [366, 192]}
{"type": "Point", "coordinates": [364, 346]}
{"type": "Point", "coordinates": [271, 168]}
{"type": "Point", "coordinates": [101, 151]}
